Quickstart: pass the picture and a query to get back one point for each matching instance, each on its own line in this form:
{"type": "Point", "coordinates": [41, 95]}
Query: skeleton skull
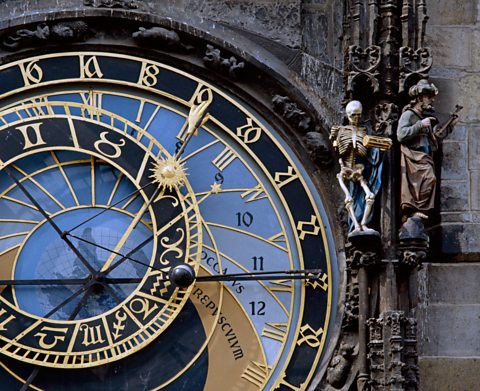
{"type": "Point", "coordinates": [354, 112]}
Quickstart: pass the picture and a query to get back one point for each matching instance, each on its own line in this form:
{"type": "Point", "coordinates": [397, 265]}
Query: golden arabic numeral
{"type": "Point", "coordinates": [48, 337]}
{"type": "Point", "coordinates": [31, 130]}
{"type": "Point", "coordinates": [113, 149]}
{"type": "Point", "coordinates": [148, 75]}
{"type": "Point", "coordinates": [7, 320]}
{"type": "Point", "coordinates": [256, 373]}
{"type": "Point", "coordinates": [275, 331]}
{"type": "Point", "coordinates": [92, 335]}
{"type": "Point", "coordinates": [310, 336]}
{"type": "Point", "coordinates": [32, 73]}
{"type": "Point", "coordinates": [89, 67]}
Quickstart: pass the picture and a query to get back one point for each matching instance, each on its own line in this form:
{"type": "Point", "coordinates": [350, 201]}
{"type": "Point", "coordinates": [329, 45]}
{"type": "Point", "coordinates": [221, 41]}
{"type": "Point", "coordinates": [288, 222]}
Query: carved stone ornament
{"type": "Point", "coordinates": [228, 66]}
{"type": "Point", "coordinates": [386, 114]}
{"type": "Point", "coordinates": [339, 367]}
{"type": "Point", "coordinates": [414, 64]}
{"type": "Point", "coordinates": [364, 63]}
{"type": "Point", "coordinates": [358, 258]}
{"type": "Point", "coordinates": [71, 31]}
{"type": "Point", "coordinates": [290, 111]}
{"type": "Point", "coordinates": [376, 353]}
{"type": "Point", "coordinates": [318, 147]}
{"type": "Point", "coordinates": [124, 4]}
{"type": "Point", "coordinates": [159, 36]}
{"type": "Point", "coordinates": [351, 311]}
{"type": "Point", "coordinates": [393, 352]}
{"type": "Point", "coordinates": [411, 369]}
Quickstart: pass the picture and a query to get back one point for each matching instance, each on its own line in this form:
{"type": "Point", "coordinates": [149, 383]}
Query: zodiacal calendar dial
{"type": "Point", "coordinates": [155, 233]}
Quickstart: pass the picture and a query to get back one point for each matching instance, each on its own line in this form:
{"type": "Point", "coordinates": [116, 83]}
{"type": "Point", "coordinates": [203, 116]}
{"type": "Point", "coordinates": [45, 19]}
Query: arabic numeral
{"type": "Point", "coordinates": [244, 219]}
{"type": "Point", "coordinates": [257, 263]}
{"type": "Point", "coordinates": [178, 145]}
{"type": "Point", "coordinates": [257, 308]}
{"type": "Point", "coordinates": [219, 178]}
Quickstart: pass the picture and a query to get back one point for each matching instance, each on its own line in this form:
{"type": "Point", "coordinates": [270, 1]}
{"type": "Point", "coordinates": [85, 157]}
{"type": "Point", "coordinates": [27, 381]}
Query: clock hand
{"type": "Point", "coordinates": [73, 281]}
{"type": "Point", "coordinates": [197, 116]}
{"type": "Point", "coordinates": [129, 230]}
{"type": "Point", "coordinates": [215, 188]}
{"type": "Point", "coordinates": [108, 208]}
{"type": "Point", "coordinates": [183, 275]}
{"type": "Point", "coordinates": [57, 229]}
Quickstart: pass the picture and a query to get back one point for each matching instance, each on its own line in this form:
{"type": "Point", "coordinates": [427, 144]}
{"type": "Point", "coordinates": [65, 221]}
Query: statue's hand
{"type": "Point", "coordinates": [427, 122]}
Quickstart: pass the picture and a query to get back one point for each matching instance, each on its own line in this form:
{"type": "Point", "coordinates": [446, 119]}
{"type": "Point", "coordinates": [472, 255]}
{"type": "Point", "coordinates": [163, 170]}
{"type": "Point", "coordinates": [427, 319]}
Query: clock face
{"type": "Point", "coordinates": [104, 189]}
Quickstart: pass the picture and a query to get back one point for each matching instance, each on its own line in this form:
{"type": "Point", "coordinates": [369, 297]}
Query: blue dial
{"type": "Point", "coordinates": [110, 181]}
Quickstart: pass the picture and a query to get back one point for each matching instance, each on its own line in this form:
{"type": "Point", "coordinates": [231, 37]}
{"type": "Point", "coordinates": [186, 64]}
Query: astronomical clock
{"type": "Point", "coordinates": [156, 233]}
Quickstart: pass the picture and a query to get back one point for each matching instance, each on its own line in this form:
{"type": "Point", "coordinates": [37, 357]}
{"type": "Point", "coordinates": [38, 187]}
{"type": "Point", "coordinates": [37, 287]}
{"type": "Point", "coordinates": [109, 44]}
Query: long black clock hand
{"type": "Point", "coordinates": [72, 281]}
{"type": "Point", "coordinates": [57, 229]}
{"type": "Point", "coordinates": [179, 275]}
{"type": "Point", "coordinates": [128, 196]}
{"type": "Point", "coordinates": [183, 275]}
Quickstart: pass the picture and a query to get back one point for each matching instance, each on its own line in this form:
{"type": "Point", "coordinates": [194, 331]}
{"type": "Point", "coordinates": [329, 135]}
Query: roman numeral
{"type": "Point", "coordinates": [225, 157]}
{"type": "Point", "coordinates": [92, 104]}
{"type": "Point", "coordinates": [28, 141]}
{"type": "Point", "coordinates": [275, 331]}
{"type": "Point", "coordinates": [254, 194]}
{"type": "Point", "coordinates": [256, 373]}
{"type": "Point", "coordinates": [281, 285]}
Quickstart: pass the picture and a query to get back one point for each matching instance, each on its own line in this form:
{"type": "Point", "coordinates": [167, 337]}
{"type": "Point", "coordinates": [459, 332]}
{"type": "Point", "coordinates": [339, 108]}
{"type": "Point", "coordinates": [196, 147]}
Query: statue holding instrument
{"type": "Point", "coordinates": [419, 134]}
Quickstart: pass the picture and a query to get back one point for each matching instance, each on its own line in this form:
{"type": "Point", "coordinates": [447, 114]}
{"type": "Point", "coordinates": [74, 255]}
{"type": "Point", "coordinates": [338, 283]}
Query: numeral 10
{"type": "Point", "coordinates": [244, 219]}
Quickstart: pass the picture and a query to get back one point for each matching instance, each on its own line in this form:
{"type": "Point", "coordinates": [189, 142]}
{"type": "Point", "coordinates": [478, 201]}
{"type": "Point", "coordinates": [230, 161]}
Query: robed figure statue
{"type": "Point", "coordinates": [419, 133]}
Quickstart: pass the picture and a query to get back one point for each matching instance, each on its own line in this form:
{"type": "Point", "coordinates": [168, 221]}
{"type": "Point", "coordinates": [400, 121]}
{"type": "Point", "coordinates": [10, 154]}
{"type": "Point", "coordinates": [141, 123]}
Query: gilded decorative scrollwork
{"type": "Point", "coordinates": [172, 247]}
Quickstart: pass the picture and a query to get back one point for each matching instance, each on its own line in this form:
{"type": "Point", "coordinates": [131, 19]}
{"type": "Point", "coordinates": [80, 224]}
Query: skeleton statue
{"type": "Point", "coordinates": [352, 142]}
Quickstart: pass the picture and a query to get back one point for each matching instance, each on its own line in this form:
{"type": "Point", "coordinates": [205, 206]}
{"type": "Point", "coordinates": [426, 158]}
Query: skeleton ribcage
{"type": "Point", "coordinates": [345, 142]}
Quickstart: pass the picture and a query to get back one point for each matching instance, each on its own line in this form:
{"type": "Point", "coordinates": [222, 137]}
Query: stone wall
{"type": "Point", "coordinates": [453, 33]}
{"type": "Point", "coordinates": [449, 303]}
